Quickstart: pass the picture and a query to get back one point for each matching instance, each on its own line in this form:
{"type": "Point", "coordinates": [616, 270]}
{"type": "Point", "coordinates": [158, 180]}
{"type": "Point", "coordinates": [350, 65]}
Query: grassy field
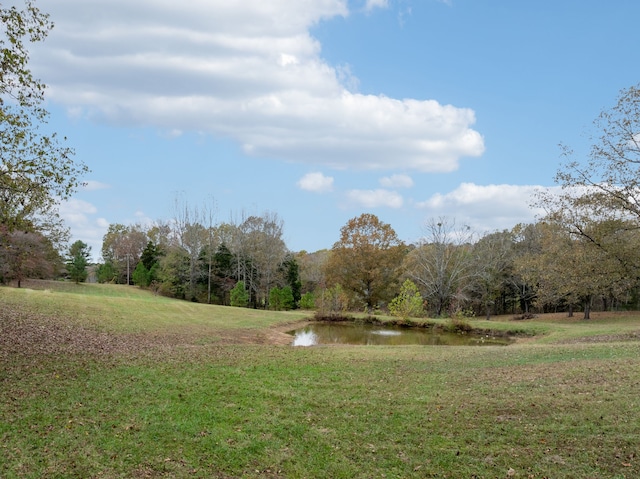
{"type": "Point", "coordinates": [113, 382]}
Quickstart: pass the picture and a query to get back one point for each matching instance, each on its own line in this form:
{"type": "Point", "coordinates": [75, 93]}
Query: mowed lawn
{"type": "Point", "coordinates": [110, 382]}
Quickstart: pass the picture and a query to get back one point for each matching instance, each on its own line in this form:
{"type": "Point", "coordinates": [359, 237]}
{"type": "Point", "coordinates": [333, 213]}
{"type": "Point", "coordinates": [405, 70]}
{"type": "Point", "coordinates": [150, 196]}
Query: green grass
{"type": "Point", "coordinates": [130, 309]}
{"type": "Point", "coordinates": [562, 404]}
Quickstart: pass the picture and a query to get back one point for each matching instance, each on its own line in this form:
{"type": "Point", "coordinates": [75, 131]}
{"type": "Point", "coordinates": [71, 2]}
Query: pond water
{"type": "Point", "coordinates": [366, 334]}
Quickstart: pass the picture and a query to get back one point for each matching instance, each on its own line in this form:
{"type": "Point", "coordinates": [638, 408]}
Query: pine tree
{"type": "Point", "coordinates": [78, 261]}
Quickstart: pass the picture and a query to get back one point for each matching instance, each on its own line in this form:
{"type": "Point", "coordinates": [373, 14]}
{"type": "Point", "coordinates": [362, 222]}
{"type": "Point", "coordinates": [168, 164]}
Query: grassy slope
{"type": "Point", "coordinates": [561, 405]}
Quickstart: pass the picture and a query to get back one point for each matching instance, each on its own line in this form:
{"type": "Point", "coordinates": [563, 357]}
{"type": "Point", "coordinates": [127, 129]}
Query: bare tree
{"type": "Point", "coordinates": [492, 266]}
{"type": "Point", "coordinates": [441, 264]}
{"type": "Point", "coordinates": [191, 236]}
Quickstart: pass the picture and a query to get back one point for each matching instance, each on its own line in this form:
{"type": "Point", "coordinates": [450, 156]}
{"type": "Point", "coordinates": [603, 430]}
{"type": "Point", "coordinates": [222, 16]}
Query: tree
{"type": "Point", "coordinates": [527, 248]}
{"type": "Point", "coordinates": [442, 265]}
{"type": "Point", "coordinates": [606, 187]}
{"type": "Point", "coordinates": [223, 272]}
{"type": "Point", "coordinates": [281, 298]}
{"type": "Point", "coordinates": [312, 269]}
{"type": "Point", "coordinates": [192, 237]}
{"type": "Point", "coordinates": [263, 253]}
{"type": "Point", "coordinates": [292, 279]}
{"type": "Point", "coordinates": [174, 272]}
{"type": "Point", "coordinates": [332, 301]}
{"type": "Point", "coordinates": [107, 273]}
{"type": "Point", "coordinates": [122, 247]}
{"type": "Point", "coordinates": [26, 254]}
{"type": "Point", "coordinates": [36, 170]}
{"type": "Point", "coordinates": [239, 295]}
{"type": "Point", "coordinates": [409, 303]}
{"type": "Point", "coordinates": [141, 275]}
{"type": "Point", "coordinates": [77, 262]}
{"type": "Point", "coordinates": [308, 300]}
{"type": "Point", "coordinates": [492, 265]}
{"type": "Point", "coordinates": [365, 260]}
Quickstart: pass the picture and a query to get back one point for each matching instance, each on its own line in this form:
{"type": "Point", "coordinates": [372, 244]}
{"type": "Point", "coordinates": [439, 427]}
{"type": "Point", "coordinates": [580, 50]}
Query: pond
{"type": "Point", "coordinates": [367, 334]}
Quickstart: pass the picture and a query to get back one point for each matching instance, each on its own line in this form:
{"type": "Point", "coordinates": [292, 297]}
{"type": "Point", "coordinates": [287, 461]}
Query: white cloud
{"type": "Point", "coordinates": [485, 208]}
{"type": "Point", "coordinates": [375, 198]}
{"type": "Point", "coordinates": [249, 71]}
{"type": "Point", "coordinates": [371, 4]}
{"type": "Point", "coordinates": [78, 215]}
{"type": "Point", "coordinates": [397, 181]}
{"type": "Point", "coordinates": [316, 182]}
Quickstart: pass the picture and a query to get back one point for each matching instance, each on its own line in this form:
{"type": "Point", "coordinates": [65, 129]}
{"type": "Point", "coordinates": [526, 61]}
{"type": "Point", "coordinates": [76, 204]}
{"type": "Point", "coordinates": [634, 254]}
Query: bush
{"type": "Point", "coordinates": [332, 301]}
{"type": "Point", "coordinates": [409, 303]}
{"type": "Point", "coordinates": [281, 298]}
{"type": "Point", "coordinates": [308, 301]}
{"type": "Point", "coordinates": [457, 325]}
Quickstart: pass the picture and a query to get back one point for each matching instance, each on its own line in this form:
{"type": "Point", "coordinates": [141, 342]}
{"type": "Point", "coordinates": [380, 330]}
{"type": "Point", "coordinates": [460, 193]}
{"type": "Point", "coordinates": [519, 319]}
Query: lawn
{"type": "Point", "coordinates": [111, 381]}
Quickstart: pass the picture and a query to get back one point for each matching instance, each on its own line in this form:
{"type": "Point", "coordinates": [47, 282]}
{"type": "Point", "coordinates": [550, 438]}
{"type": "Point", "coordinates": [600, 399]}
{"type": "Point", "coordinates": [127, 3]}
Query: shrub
{"type": "Point", "coordinates": [458, 325]}
{"type": "Point", "coordinates": [409, 303]}
{"type": "Point", "coordinates": [281, 298]}
{"type": "Point", "coordinates": [308, 301]}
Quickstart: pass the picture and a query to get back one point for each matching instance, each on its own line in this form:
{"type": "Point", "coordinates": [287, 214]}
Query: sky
{"type": "Point", "coordinates": [321, 110]}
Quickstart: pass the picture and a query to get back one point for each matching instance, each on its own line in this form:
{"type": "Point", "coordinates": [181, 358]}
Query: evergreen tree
{"type": "Point", "coordinates": [141, 275]}
{"type": "Point", "coordinates": [239, 295]}
{"type": "Point", "coordinates": [292, 277]}
{"type": "Point", "coordinates": [78, 260]}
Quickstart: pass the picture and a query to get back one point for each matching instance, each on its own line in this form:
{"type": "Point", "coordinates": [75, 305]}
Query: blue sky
{"type": "Point", "coordinates": [320, 110]}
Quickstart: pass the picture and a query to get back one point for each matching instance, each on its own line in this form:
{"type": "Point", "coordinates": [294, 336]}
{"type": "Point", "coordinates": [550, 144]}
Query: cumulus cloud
{"type": "Point", "coordinates": [316, 183]}
{"type": "Point", "coordinates": [485, 208]}
{"type": "Point", "coordinates": [375, 198]}
{"type": "Point", "coordinates": [396, 181]}
{"type": "Point", "coordinates": [79, 216]}
{"type": "Point", "coordinates": [249, 71]}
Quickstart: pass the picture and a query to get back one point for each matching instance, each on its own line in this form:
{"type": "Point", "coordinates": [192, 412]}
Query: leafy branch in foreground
{"type": "Point", "coordinates": [37, 170]}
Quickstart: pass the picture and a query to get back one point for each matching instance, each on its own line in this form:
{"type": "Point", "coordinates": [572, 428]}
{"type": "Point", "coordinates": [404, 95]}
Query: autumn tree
{"type": "Point", "coordinates": [122, 248]}
{"type": "Point", "coordinates": [442, 265]}
{"type": "Point", "coordinates": [604, 187]}
{"type": "Point", "coordinates": [492, 265]}
{"type": "Point", "coordinates": [527, 248]}
{"type": "Point", "coordinates": [78, 260]}
{"type": "Point", "coordinates": [36, 170]}
{"type": "Point", "coordinates": [26, 254]}
{"type": "Point", "coordinates": [573, 271]}
{"type": "Point", "coordinates": [365, 260]}
{"type": "Point", "coordinates": [312, 269]}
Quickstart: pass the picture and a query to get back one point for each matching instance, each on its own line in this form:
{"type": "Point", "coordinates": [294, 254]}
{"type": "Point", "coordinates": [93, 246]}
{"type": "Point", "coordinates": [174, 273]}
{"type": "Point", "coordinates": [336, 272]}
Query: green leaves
{"type": "Point", "coordinates": [36, 170]}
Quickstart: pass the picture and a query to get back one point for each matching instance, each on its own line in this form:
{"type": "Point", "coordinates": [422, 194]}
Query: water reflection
{"type": "Point", "coordinates": [366, 334]}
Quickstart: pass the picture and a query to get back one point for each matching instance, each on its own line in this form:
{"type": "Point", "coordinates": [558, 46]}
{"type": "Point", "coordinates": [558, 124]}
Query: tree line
{"type": "Point", "coordinates": [200, 261]}
{"type": "Point", "coordinates": [452, 271]}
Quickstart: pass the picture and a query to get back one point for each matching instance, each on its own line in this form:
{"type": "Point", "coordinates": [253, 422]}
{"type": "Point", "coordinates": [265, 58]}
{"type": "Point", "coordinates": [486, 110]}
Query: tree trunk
{"type": "Point", "coordinates": [587, 308]}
